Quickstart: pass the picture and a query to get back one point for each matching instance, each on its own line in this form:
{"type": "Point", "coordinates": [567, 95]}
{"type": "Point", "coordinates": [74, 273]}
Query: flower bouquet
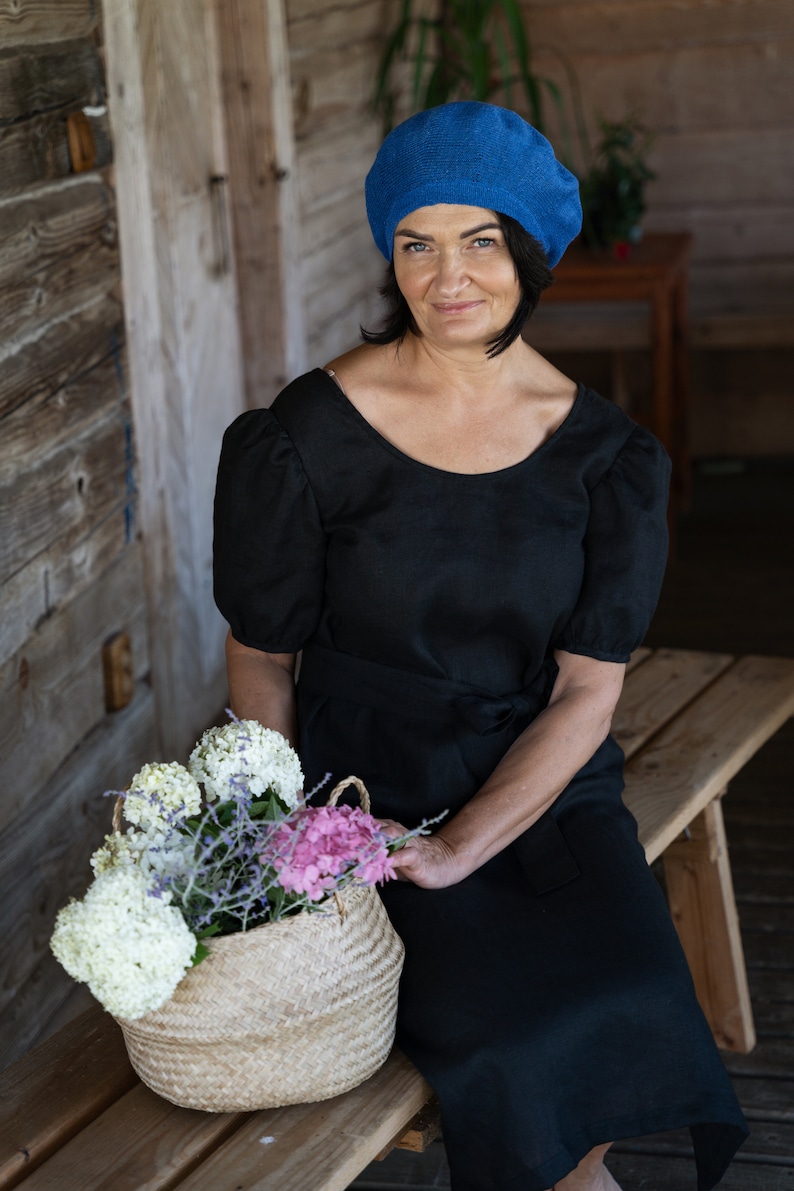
{"type": "Point", "coordinates": [237, 937]}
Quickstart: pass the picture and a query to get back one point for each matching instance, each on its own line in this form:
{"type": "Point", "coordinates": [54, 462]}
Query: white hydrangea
{"type": "Point", "coordinates": [130, 948]}
{"type": "Point", "coordinates": [261, 758]}
{"type": "Point", "coordinates": [160, 789]}
{"type": "Point", "coordinates": [153, 851]}
{"type": "Point", "coordinates": [118, 850]}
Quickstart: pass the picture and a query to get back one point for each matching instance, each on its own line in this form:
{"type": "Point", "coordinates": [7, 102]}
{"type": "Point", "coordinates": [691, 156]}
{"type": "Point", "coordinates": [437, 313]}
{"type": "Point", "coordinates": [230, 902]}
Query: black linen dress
{"type": "Point", "coordinates": [545, 997]}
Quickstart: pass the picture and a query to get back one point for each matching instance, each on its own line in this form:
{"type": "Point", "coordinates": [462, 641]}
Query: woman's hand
{"type": "Point", "coordinates": [426, 860]}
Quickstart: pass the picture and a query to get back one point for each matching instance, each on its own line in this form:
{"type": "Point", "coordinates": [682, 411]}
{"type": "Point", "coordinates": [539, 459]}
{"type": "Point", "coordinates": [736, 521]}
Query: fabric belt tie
{"type": "Point", "coordinates": [419, 696]}
{"type": "Point", "coordinates": [541, 851]}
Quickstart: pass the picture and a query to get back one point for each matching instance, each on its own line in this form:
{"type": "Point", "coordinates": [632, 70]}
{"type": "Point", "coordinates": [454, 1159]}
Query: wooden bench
{"type": "Point", "coordinates": [77, 1119]}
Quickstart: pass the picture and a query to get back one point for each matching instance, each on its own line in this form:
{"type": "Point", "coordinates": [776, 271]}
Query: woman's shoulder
{"type": "Point", "coordinates": [603, 436]}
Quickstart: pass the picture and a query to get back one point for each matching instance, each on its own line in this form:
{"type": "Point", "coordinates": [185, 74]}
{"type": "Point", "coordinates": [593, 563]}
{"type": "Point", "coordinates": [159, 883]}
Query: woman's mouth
{"type": "Point", "coordinates": [455, 307]}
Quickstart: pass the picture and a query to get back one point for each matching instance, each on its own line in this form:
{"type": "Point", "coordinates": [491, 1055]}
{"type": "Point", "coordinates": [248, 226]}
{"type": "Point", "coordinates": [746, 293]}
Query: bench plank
{"type": "Point", "coordinates": [700, 894]}
{"type": "Point", "coordinates": [319, 1146]}
{"type": "Point", "coordinates": [690, 761]}
{"type": "Point", "coordinates": [638, 656]}
{"type": "Point", "coordinates": [659, 689]}
{"type": "Point", "coordinates": [57, 1089]}
{"type": "Point", "coordinates": [152, 1142]}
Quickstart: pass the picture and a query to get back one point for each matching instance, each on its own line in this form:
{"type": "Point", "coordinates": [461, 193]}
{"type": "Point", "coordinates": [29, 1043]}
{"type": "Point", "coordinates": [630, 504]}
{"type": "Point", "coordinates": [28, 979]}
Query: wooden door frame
{"type": "Point", "coordinates": [210, 332]}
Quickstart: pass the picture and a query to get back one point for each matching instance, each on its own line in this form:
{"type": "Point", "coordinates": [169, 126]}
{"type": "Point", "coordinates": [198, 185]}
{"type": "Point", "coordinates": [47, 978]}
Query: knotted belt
{"type": "Point", "coordinates": [542, 852]}
{"type": "Point", "coordinates": [419, 696]}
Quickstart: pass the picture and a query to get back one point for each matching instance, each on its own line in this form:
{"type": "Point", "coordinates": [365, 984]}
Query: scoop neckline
{"type": "Point", "coordinates": [442, 471]}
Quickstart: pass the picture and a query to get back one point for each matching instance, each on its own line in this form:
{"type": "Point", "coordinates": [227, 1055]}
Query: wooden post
{"type": "Point", "coordinates": [700, 893]}
{"type": "Point", "coordinates": [181, 314]}
{"type": "Point", "coordinates": [263, 192]}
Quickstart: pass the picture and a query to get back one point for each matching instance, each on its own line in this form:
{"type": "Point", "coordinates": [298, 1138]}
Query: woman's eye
{"type": "Point", "coordinates": [416, 247]}
{"type": "Point", "coordinates": [484, 242]}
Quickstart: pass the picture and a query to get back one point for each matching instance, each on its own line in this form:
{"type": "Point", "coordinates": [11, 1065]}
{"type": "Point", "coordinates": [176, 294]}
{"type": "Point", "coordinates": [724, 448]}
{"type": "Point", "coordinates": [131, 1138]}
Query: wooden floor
{"type": "Point", "coordinates": [731, 588]}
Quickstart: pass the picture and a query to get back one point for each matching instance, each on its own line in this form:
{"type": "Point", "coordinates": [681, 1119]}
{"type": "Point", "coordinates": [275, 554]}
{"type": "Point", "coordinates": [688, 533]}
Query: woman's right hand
{"type": "Point", "coordinates": [425, 860]}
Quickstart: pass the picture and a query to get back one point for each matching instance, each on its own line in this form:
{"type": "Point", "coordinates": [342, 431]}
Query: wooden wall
{"type": "Point", "coordinates": [334, 51]}
{"type": "Point", "coordinates": [713, 80]}
{"type": "Point", "coordinates": [71, 570]}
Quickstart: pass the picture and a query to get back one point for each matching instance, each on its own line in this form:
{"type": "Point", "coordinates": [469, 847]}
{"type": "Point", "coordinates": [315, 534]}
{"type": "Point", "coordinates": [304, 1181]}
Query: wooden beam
{"type": "Point", "coordinates": [61, 350]}
{"type": "Point", "coordinates": [262, 192]}
{"type": "Point", "coordinates": [700, 895]}
{"type": "Point", "coordinates": [60, 574]}
{"type": "Point", "coordinates": [44, 856]}
{"type": "Point", "coordinates": [52, 691]}
{"type": "Point", "coordinates": [65, 494]}
{"type": "Point", "coordinates": [25, 22]}
{"type": "Point", "coordinates": [694, 757]}
{"type": "Point", "coordinates": [183, 345]}
{"type": "Point", "coordinates": [322, 1146]}
{"type": "Point", "coordinates": [53, 1092]}
{"type": "Point", "coordinates": [58, 251]}
{"type": "Point", "coordinates": [67, 74]}
{"type": "Point", "coordinates": [659, 689]}
{"type": "Point", "coordinates": [36, 151]}
{"type": "Point", "coordinates": [153, 1144]}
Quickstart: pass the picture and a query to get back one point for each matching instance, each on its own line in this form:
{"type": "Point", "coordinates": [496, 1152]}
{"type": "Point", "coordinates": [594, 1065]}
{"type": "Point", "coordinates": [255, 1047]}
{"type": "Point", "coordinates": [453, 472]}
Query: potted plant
{"type": "Point", "coordinates": [472, 49]}
{"type": "Point", "coordinates": [613, 188]}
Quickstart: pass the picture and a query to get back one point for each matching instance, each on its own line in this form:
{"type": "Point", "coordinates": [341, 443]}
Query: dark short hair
{"type": "Point", "coordinates": [532, 271]}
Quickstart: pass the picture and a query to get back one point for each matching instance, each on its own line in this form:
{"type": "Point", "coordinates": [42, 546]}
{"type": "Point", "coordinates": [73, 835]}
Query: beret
{"type": "Point", "coordinates": [478, 155]}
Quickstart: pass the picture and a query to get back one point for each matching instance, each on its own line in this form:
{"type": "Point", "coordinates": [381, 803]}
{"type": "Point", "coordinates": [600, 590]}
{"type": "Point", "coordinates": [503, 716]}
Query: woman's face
{"type": "Point", "coordinates": [453, 268]}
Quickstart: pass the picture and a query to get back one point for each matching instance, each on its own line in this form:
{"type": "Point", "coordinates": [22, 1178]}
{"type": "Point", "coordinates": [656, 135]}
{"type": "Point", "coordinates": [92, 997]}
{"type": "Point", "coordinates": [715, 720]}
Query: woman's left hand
{"type": "Point", "coordinates": [426, 860]}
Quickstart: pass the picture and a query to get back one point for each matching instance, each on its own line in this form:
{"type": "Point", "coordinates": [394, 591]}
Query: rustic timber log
{"type": "Point", "coordinates": [44, 855]}
{"type": "Point", "coordinates": [31, 21]}
{"type": "Point", "coordinates": [59, 574]}
{"type": "Point", "coordinates": [53, 691]}
{"type": "Point", "coordinates": [58, 250]}
{"type": "Point", "coordinates": [63, 349]}
{"type": "Point", "coordinates": [49, 423]}
{"type": "Point", "coordinates": [37, 150]}
{"type": "Point", "coordinates": [64, 496]}
{"type": "Point", "coordinates": [60, 76]}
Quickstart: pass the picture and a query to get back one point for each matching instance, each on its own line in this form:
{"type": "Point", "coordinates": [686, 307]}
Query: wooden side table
{"type": "Point", "coordinates": [656, 272]}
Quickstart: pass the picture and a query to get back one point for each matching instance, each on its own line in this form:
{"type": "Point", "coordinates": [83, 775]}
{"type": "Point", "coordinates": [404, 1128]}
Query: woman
{"type": "Point", "coordinates": [466, 545]}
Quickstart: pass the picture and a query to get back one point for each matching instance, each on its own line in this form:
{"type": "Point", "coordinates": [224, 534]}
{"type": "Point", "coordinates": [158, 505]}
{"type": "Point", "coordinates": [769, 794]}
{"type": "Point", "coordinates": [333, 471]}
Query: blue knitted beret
{"type": "Point", "coordinates": [478, 155]}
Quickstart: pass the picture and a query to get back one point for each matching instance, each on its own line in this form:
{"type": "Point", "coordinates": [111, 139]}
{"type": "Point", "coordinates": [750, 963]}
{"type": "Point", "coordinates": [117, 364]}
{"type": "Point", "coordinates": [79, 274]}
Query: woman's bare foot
{"type": "Point", "coordinates": [589, 1175]}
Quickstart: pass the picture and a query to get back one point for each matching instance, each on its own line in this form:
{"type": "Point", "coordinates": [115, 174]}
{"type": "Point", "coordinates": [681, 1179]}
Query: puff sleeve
{"type": "Point", "coordinates": [269, 544]}
{"type": "Point", "coordinates": [625, 553]}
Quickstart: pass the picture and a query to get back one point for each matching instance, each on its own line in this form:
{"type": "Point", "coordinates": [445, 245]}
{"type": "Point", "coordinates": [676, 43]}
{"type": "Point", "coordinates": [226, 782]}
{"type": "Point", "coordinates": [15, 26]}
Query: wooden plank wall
{"type": "Point", "coordinates": [71, 570]}
{"type": "Point", "coordinates": [713, 81]}
{"type": "Point", "coordinates": [334, 51]}
{"type": "Point", "coordinates": [183, 329]}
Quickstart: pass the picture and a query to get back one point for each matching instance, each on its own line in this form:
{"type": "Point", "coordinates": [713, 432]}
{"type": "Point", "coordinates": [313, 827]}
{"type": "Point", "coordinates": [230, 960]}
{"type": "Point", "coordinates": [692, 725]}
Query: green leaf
{"type": "Point", "coordinates": [209, 931]}
{"type": "Point", "coordinates": [199, 954]}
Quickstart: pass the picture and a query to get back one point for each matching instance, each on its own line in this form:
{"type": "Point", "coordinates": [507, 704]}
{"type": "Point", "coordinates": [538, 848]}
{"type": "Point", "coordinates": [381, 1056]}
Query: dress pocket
{"type": "Point", "coordinates": [544, 856]}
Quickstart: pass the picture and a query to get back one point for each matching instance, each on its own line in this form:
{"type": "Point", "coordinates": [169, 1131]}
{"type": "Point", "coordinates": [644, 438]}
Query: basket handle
{"type": "Point", "coordinates": [117, 807]}
{"type": "Point", "coordinates": [363, 792]}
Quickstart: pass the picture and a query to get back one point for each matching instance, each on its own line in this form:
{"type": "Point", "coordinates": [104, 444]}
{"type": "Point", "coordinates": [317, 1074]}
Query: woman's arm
{"type": "Point", "coordinates": [262, 687]}
{"type": "Point", "coordinates": [531, 775]}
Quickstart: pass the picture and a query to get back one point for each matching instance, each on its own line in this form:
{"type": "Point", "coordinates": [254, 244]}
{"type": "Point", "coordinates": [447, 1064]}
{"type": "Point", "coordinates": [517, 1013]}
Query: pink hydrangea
{"type": "Point", "coordinates": [319, 845]}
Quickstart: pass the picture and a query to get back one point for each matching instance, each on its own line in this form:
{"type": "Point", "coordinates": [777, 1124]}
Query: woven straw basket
{"type": "Point", "coordinates": [287, 1013]}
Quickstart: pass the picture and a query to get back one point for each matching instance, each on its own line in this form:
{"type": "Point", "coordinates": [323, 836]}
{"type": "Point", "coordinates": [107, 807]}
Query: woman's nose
{"type": "Point", "coordinates": [451, 277]}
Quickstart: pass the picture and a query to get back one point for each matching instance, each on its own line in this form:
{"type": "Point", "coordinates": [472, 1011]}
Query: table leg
{"type": "Point", "coordinates": [681, 388]}
{"type": "Point", "coordinates": [700, 894]}
{"type": "Point", "coordinates": [663, 423]}
{"type": "Point", "coordinates": [662, 339]}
